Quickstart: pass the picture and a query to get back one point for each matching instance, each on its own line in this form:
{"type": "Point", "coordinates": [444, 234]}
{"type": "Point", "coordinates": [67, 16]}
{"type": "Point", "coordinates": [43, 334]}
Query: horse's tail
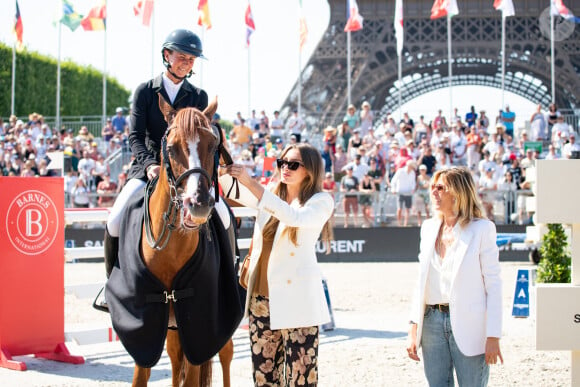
{"type": "Point", "coordinates": [205, 374]}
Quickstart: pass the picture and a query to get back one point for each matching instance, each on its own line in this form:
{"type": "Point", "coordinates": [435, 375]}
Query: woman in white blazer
{"type": "Point", "coordinates": [285, 300]}
{"type": "Point", "coordinates": [457, 314]}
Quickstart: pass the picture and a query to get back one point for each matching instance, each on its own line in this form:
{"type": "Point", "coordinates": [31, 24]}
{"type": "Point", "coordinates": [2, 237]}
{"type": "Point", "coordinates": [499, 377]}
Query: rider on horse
{"type": "Point", "coordinates": [147, 125]}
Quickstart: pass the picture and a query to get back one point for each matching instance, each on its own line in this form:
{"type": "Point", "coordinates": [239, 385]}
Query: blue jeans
{"type": "Point", "coordinates": [441, 355]}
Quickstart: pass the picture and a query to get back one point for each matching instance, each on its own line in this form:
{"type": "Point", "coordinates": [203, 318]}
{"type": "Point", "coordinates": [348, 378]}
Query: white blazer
{"type": "Point", "coordinates": [294, 278]}
{"type": "Point", "coordinates": [475, 297]}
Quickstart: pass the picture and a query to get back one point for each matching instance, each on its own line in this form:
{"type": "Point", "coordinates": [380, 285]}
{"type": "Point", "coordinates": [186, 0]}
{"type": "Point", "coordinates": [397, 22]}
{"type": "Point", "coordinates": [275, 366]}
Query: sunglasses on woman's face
{"type": "Point", "coordinates": [292, 165]}
{"type": "Point", "coordinates": [438, 187]}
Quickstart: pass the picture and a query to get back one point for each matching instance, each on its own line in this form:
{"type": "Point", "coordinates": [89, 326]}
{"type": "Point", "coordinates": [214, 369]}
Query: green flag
{"type": "Point", "coordinates": [70, 17]}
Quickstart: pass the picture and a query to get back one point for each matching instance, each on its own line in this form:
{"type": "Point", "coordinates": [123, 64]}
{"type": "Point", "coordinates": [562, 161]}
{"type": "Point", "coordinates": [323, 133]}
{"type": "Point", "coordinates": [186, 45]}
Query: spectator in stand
{"type": "Point", "coordinates": [552, 155]}
{"type": "Point", "coordinates": [247, 161]}
{"type": "Point", "coordinates": [538, 125]}
{"type": "Point", "coordinates": [376, 174]}
{"type": "Point", "coordinates": [443, 157]}
{"type": "Point", "coordinates": [493, 142]}
{"type": "Point", "coordinates": [86, 165]}
{"type": "Point", "coordinates": [413, 151]}
{"type": "Point", "coordinates": [238, 120]}
{"type": "Point", "coordinates": [108, 132]}
{"type": "Point", "coordinates": [507, 119]}
{"type": "Point", "coordinates": [487, 191]}
{"type": "Point", "coordinates": [100, 170]}
{"type": "Point", "coordinates": [295, 125]}
{"type": "Point", "coordinates": [422, 130]}
{"type": "Point", "coordinates": [41, 147]}
{"type": "Point", "coordinates": [391, 126]}
{"type": "Point", "coordinates": [277, 127]}
{"type": "Point", "coordinates": [471, 117]}
{"type": "Point", "coordinates": [349, 186]}
{"type": "Point", "coordinates": [121, 180]}
{"type": "Point", "coordinates": [241, 134]}
{"type": "Point", "coordinates": [340, 161]}
{"type": "Point", "coordinates": [561, 130]}
{"type": "Point", "coordinates": [84, 135]}
{"type": "Point", "coordinates": [80, 194]}
{"type": "Point", "coordinates": [94, 151]}
{"type": "Point", "coordinates": [353, 144]}
{"type": "Point", "coordinates": [264, 117]}
{"type": "Point", "coordinates": [438, 121]}
{"type": "Point", "coordinates": [119, 122]}
{"type": "Point", "coordinates": [473, 148]}
{"type": "Point", "coordinates": [253, 121]}
{"type": "Point", "coordinates": [436, 139]}
{"type": "Point", "coordinates": [486, 163]}
{"type": "Point", "coordinates": [359, 168]}
{"type": "Point", "coordinates": [369, 139]}
{"type": "Point", "coordinates": [400, 135]}
{"type": "Point", "coordinates": [552, 117]}
{"type": "Point", "coordinates": [402, 159]}
{"type": "Point", "coordinates": [259, 161]}
{"type": "Point", "coordinates": [422, 202]}
{"type": "Point", "coordinates": [403, 184]}
{"type": "Point", "coordinates": [327, 157]}
{"type": "Point", "coordinates": [427, 159]}
{"type": "Point", "coordinates": [106, 189]}
{"type": "Point", "coordinates": [409, 124]}
{"type": "Point", "coordinates": [351, 118]}
{"type": "Point", "coordinates": [29, 169]}
{"type": "Point", "coordinates": [458, 145]}
{"type": "Point", "coordinates": [278, 148]}
{"type": "Point", "coordinates": [366, 118]}
{"type": "Point", "coordinates": [483, 122]}
{"type": "Point", "coordinates": [367, 189]}
{"type": "Point", "coordinates": [328, 184]}
{"type": "Point", "coordinates": [507, 188]}
{"type": "Point", "coordinates": [570, 146]}
{"type": "Point", "coordinates": [330, 139]}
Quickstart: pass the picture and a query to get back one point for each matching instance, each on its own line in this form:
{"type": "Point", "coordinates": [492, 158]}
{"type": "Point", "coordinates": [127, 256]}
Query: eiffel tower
{"type": "Point", "coordinates": [476, 53]}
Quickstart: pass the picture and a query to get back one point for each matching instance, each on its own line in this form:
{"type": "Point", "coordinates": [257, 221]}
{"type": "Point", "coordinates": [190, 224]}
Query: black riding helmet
{"type": "Point", "coordinates": [183, 41]}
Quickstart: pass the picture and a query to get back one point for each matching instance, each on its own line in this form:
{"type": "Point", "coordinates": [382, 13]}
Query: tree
{"type": "Point", "coordinates": [554, 266]}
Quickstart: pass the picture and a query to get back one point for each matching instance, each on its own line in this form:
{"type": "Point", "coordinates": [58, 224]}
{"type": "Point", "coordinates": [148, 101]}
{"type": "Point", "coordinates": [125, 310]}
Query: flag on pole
{"type": "Point", "coordinates": [505, 6]}
{"type": "Point", "coordinates": [303, 28]}
{"type": "Point", "coordinates": [354, 21]}
{"type": "Point", "coordinates": [398, 24]}
{"type": "Point", "coordinates": [557, 8]}
{"type": "Point", "coordinates": [96, 20]}
{"type": "Point", "coordinates": [70, 17]}
{"type": "Point", "coordinates": [143, 9]}
{"type": "Point", "coordinates": [443, 8]}
{"type": "Point", "coordinates": [18, 27]}
{"type": "Point", "coordinates": [250, 26]}
{"type": "Point", "coordinates": [204, 20]}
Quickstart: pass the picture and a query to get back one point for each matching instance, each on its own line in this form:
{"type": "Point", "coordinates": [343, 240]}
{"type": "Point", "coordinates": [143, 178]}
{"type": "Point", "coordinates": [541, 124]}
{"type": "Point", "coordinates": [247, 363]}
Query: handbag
{"type": "Point", "coordinates": [245, 269]}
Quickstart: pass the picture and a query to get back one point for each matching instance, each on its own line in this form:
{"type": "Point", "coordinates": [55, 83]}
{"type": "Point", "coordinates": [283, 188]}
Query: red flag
{"type": "Point", "coordinates": [96, 18]}
{"type": "Point", "coordinates": [144, 10]}
{"type": "Point", "coordinates": [443, 8]}
{"type": "Point", "coordinates": [354, 20]}
{"type": "Point", "coordinates": [204, 19]}
{"type": "Point", "coordinates": [18, 27]}
{"type": "Point", "coordinates": [250, 27]}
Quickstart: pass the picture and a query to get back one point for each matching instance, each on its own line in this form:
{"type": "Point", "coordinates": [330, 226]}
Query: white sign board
{"type": "Point", "coordinates": [557, 317]}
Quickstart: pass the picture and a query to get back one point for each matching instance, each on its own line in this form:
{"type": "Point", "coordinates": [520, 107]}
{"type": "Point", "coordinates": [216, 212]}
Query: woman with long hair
{"type": "Point", "coordinates": [456, 315]}
{"type": "Point", "coordinates": [285, 299]}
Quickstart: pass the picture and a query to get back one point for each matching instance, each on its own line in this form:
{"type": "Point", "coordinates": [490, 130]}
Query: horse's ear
{"type": "Point", "coordinates": [211, 109]}
{"type": "Point", "coordinates": [167, 110]}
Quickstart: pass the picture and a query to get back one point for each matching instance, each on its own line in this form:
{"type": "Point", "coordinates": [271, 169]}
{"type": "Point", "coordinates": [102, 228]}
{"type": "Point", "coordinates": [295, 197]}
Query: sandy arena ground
{"type": "Point", "coordinates": [367, 348]}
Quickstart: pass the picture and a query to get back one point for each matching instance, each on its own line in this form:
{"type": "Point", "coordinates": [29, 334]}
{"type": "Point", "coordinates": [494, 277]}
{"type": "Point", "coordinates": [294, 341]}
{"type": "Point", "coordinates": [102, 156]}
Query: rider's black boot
{"type": "Point", "coordinates": [111, 246]}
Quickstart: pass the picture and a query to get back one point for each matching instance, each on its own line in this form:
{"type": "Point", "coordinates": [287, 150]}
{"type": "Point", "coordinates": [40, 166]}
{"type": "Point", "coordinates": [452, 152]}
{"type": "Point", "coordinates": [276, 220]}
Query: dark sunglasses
{"type": "Point", "coordinates": [438, 187]}
{"type": "Point", "coordinates": [292, 165]}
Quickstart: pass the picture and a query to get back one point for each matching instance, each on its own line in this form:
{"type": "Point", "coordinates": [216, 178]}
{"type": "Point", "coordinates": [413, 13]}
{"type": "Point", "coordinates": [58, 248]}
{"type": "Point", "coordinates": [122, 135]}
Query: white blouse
{"type": "Point", "coordinates": [440, 274]}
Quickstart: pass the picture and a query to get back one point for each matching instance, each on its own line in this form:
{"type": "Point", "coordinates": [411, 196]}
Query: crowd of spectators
{"type": "Point", "coordinates": [363, 158]}
{"type": "Point", "coordinates": [25, 148]}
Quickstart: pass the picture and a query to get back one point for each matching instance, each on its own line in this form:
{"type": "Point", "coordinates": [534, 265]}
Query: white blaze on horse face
{"type": "Point", "coordinates": [194, 162]}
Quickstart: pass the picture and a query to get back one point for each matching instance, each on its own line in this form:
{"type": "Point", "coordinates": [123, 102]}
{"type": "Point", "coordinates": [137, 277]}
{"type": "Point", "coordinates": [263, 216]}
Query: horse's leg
{"type": "Point", "coordinates": [141, 376]}
{"type": "Point", "coordinates": [197, 376]}
{"type": "Point", "coordinates": [175, 354]}
{"type": "Point", "coordinates": [226, 355]}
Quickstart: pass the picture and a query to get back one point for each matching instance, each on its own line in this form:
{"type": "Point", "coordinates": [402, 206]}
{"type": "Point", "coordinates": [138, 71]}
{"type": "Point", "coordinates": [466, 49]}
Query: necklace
{"type": "Point", "coordinates": [445, 239]}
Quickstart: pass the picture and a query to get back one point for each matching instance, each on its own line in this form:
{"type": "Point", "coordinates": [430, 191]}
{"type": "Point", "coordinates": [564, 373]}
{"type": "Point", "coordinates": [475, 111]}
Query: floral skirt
{"type": "Point", "coordinates": [281, 357]}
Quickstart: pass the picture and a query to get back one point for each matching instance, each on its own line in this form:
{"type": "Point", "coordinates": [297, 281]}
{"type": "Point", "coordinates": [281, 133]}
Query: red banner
{"type": "Point", "coordinates": [32, 270]}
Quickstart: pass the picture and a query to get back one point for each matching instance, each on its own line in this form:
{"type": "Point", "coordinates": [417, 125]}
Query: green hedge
{"type": "Point", "coordinates": [81, 88]}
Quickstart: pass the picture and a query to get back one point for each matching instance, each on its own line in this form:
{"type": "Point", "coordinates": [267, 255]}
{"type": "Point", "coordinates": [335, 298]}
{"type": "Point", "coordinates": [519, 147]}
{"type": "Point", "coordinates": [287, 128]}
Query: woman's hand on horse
{"type": "Point", "coordinates": [240, 172]}
{"type": "Point", "coordinates": [153, 171]}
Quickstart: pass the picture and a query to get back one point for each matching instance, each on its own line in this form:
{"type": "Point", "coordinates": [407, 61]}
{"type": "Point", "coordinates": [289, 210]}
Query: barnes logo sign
{"type": "Point", "coordinates": [32, 222]}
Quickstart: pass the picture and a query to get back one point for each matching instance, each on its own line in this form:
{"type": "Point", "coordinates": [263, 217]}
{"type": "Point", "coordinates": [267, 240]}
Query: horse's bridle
{"type": "Point", "coordinates": [175, 204]}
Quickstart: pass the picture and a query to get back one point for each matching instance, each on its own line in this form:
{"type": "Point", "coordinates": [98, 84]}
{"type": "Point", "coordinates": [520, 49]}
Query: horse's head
{"type": "Point", "coordinates": [189, 162]}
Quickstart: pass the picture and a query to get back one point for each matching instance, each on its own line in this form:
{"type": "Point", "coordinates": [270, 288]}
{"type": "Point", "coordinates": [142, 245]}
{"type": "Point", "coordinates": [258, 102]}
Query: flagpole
{"type": "Point", "coordinates": [299, 80]}
{"type": "Point", "coordinates": [12, 100]}
{"type": "Point", "coordinates": [105, 73]}
{"type": "Point", "coordinates": [552, 72]}
{"type": "Point", "coordinates": [57, 124]}
{"type": "Point", "coordinates": [503, 58]}
{"type": "Point", "coordinates": [348, 66]}
{"type": "Point", "coordinates": [400, 73]}
{"type": "Point", "coordinates": [249, 83]}
{"type": "Point", "coordinates": [450, 68]}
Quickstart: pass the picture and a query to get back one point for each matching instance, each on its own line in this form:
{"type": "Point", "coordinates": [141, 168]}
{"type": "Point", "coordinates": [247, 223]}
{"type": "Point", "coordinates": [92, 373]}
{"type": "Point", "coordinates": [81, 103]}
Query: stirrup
{"type": "Point", "coordinates": [100, 303]}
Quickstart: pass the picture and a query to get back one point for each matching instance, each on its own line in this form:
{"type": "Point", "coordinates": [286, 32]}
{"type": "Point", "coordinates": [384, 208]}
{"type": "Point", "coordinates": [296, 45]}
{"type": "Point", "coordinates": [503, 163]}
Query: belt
{"type": "Point", "coordinates": [443, 308]}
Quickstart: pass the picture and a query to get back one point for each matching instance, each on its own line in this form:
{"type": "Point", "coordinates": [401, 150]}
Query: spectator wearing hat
{"type": "Point", "coordinates": [295, 125]}
{"type": "Point", "coordinates": [404, 184]}
{"type": "Point", "coordinates": [278, 148]}
{"type": "Point", "coordinates": [330, 139]}
{"type": "Point", "coordinates": [85, 135]}
{"type": "Point", "coordinates": [366, 118]}
{"type": "Point", "coordinates": [349, 186]}
{"type": "Point", "coordinates": [351, 118]}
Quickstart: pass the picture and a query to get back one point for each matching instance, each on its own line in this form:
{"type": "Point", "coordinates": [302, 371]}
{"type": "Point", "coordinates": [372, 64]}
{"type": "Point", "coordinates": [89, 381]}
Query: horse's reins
{"type": "Point", "coordinates": [175, 204]}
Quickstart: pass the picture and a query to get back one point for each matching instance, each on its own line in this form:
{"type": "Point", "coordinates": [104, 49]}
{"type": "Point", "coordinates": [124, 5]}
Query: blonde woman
{"type": "Point", "coordinates": [456, 315]}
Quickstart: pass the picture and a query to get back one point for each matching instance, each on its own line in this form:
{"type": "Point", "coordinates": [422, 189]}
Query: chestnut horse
{"type": "Point", "coordinates": [176, 208]}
